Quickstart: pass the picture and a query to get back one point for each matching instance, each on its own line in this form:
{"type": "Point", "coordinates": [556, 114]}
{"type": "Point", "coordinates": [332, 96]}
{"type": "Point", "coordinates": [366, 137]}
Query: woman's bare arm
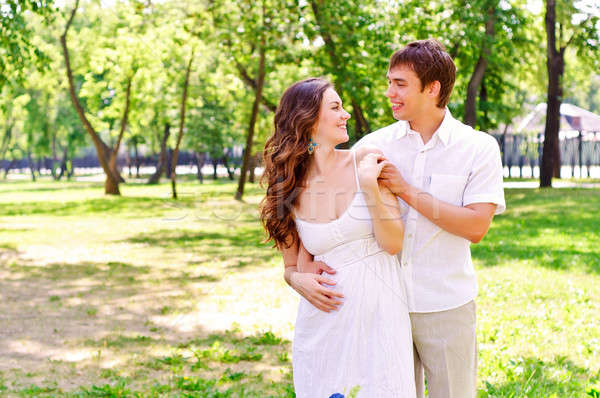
{"type": "Point", "coordinates": [309, 285]}
{"type": "Point", "coordinates": [383, 206]}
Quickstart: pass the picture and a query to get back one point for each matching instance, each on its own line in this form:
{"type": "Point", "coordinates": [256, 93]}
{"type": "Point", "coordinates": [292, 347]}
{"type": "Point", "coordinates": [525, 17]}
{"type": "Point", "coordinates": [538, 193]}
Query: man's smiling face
{"type": "Point", "coordinates": [408, 96]}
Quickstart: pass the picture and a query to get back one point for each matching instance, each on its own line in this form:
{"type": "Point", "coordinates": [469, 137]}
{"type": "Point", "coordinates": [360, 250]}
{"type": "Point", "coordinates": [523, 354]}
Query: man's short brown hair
{"type": "Point", "coordinates": [430, 61]}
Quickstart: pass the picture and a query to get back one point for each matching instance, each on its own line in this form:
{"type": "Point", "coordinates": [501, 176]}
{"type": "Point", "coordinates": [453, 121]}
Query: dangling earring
{"type": "Point", "coordinates": [311, 146]}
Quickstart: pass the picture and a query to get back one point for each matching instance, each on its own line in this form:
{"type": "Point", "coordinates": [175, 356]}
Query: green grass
{"type": "Point", "coordinates": [141, 295]}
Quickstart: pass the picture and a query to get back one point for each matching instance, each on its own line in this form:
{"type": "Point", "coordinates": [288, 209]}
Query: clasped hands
{"type": "Point", "coordinates": [374, 168]}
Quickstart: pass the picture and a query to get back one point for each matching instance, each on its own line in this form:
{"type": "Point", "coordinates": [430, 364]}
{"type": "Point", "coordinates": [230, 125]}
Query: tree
{"type": "Point", "coordinates": [254, 34]}
{"type": "Point", "coordinates": [577, 27]}
{"type": "Point", "coordinates": [215, 119]}
{"type": "Point", "coordinates": [17, 52]}
{"type": "Point", "coordinates": [185, 85]}
{"type": "Point", "coordinates": [479, 70]}
{"type": "Point", "coordinates": [107, 156]}
{"type": "Point", "coordinates": [12, 120]}
{"type": "Point", "coordinates": [485, 38]}
{"type": "Point", "coordinates": [354, 41]}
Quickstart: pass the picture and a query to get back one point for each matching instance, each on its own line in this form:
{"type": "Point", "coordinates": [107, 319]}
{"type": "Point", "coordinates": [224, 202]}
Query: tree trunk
{"type": "Point", "coordinates": [230, 172]}
{"type": "Point", "coordinates": [555, 66]}
{"type": "Point", "coordinates": [31, 166]}
{"type": "Point", "coordinates": [252, 167]}
{"type": "Point", "coordinates": [361, 124]}
{"type": "Point", "coordinates": [114, 153]}
{"type": "Point", "coordinates": [111, 185]}
{"type": "Point", "coordinates": [200, 159]}
{"type": "Point", "coordinates": [254, 116]}
{"type": "Point", "coordinates": [63, 163]}
{"type": "Point", "coordinates": [69, 167]}
{"type": "Point", "coordinates": [54, 157]}
{"type": "Point", "coordinates": [9, 166]}
{"type": "Point", "coordinates": [128, 163]}
{"type": "Point", "coordinates": [137, 159]}
{"type": "Point", "coordinates": [479, 71]}
{"type": "Point", "coordinates": [181, 126]}
{"type": "Point", "coordinates": [250, 137]}
{"type": "Point", "coordinates": [169, 160]}
{"type": "Point", "coordinates": [215, 163]}
{"type": "Point", "coordinates": [162, 157]}
{"type": "Point", "coordinates": [6, 139]}
{"type": "Point", "coordinates": [557, 164]}
{"type": "Point", "coordinates": [250, 82]}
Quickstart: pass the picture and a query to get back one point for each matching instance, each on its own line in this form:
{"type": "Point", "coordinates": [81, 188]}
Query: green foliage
{"type": "Point", "coordinates": [348, 42]}
{"type": "Point", "coordinates": [352, 43]}
{"type": "Point", "coordinates": [17, 52]}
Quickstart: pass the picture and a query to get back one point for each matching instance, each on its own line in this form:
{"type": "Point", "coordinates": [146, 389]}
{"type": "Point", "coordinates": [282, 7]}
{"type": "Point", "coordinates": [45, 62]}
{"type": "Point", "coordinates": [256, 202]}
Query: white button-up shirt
{"type": "Point", "coordinates": [460, 166]}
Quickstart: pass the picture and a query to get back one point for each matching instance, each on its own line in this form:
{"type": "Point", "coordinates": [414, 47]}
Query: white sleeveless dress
{"type": "Point", "coordinates": [366, 344]}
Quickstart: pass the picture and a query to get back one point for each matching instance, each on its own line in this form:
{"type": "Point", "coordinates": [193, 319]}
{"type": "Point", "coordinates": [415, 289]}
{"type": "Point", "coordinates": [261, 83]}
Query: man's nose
{"type": "Point", "coordinates": [389, 92]}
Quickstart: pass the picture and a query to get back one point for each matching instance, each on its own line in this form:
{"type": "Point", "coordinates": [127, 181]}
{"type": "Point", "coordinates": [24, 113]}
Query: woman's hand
{"type": "Point", "coordinates": [314, 267]}
{"type": "Point", "coordinates": [368, 171]}
{"type": "Point", "coordinates": [310, 286]}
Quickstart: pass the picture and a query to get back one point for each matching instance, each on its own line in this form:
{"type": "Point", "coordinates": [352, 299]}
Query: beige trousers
{"type": "Point", "coordinates": [445, 348]}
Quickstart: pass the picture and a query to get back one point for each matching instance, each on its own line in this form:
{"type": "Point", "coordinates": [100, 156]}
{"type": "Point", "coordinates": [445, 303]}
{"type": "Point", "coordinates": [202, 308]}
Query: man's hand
{"type": "Point", "coordinates": [310, 286]}
{"type": "Point", "coordinates": [390, 177]}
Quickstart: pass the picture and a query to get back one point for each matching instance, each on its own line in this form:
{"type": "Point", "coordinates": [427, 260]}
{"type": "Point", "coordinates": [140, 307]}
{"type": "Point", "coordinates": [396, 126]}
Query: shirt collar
{"type": "Point", "coordinates": [443, 132]}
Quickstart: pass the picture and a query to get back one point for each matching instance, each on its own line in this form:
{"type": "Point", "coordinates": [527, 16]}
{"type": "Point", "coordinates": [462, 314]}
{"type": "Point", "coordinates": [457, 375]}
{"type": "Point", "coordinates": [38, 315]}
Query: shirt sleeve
{"type": "Point", "coordinates": [484, 184]}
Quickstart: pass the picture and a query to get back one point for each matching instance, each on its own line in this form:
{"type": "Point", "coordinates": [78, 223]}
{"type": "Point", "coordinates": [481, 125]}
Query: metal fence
{"type": "Point", "coordinates": [579, 151]}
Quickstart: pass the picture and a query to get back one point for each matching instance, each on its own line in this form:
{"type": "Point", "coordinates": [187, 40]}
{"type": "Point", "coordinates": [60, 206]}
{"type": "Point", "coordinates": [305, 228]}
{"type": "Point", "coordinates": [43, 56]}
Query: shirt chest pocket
{"type": "Point", "coordinates": [448, 188]}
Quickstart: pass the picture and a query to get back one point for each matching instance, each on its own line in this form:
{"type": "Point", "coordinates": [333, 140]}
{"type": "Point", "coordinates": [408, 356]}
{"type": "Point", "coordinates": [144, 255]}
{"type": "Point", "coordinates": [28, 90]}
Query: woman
{"type": "Point", "coordinates": [353, 337]}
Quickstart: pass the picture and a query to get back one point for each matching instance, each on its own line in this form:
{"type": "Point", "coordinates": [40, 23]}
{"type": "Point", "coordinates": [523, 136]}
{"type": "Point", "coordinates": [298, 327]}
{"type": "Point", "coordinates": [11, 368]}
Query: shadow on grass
{"type": "Point", "coordinates": [555, 229]}
{"type": "Point", "coordinates": [221, 364]}
{"type": "Point", "coordinates": [534, 378]}
{"type": "Point", "coordinates": [190, 205]}
{"type": "Point", "coordinates": [242, 246]}
{"type": "Point", "coordinates": [53, 187]}
{"type": "Point", "coordinates": [543, 256]}
{"type": "Point", "coordinates": [9, 248]}
{"type": "Point", "coordinates": [102, 272]}
{"type": "Point", "coordinates": [100, 293]}
{"type": "Point", "coordinates": [132, 206]}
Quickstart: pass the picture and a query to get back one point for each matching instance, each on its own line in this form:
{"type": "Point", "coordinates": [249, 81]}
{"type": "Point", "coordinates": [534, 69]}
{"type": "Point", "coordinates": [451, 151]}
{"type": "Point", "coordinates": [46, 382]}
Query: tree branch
{"type": "Point", "coordinates": [125, 116]}
{"type": "Point", "coordinates": [250, 82]}
{"type": "Point", "coordinates": [562, 49]}
{"type": "Point", "coordinates": [68, 25]}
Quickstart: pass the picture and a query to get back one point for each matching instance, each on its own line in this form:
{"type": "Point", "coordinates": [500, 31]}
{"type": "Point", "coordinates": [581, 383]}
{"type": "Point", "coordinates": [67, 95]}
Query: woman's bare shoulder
{"type": "Point", "coordinates": [364, 150]}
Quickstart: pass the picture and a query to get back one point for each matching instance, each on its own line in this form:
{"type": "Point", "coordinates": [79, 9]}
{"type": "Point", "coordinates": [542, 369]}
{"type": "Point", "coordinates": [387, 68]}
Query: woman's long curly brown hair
{"type": "Point", "coordinates": [286, 158]}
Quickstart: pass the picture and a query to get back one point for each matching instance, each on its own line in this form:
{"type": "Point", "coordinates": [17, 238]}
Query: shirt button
{"type": "Point", "coordinates": [411, 235]}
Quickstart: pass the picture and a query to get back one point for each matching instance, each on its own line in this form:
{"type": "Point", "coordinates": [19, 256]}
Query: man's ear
{"type": "Point", "coordinates": [433, 88]}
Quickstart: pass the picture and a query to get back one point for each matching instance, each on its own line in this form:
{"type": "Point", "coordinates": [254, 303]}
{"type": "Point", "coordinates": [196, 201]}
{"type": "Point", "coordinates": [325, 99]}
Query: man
{"type": "Point", "coordinates": [448, 177]}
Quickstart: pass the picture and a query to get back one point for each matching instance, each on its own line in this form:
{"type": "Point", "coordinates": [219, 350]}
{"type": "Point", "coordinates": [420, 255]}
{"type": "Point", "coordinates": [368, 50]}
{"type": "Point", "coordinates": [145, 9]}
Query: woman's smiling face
{"type": "Point", "coordinates": [331, 125]}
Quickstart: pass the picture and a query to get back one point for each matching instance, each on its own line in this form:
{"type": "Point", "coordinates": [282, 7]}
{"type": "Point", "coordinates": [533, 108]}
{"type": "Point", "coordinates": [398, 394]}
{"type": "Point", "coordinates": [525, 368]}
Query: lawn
{"type": "Point", "coordinates": [141, 295]}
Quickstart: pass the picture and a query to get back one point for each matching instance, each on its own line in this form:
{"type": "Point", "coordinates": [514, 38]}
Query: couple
{"type": "Point", "coordinates": [376, 239]}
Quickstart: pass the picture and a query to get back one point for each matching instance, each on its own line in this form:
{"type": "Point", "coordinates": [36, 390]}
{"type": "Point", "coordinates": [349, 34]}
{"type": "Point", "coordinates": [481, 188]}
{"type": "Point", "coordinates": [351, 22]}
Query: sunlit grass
{"type": "Point", "coordinates": [141, 294]}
